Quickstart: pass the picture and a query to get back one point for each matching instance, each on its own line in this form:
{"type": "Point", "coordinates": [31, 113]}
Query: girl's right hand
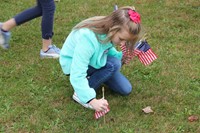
{"type": "Point", "coordinates": [99, 104]}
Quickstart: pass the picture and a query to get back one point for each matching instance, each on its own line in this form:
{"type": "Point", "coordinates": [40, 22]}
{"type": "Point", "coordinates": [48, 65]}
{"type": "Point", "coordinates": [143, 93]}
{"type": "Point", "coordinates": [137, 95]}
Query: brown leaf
{"type": "Point", "coordinates": [147, 110]}
{"type": "Point", "coordinates": [193, 118]}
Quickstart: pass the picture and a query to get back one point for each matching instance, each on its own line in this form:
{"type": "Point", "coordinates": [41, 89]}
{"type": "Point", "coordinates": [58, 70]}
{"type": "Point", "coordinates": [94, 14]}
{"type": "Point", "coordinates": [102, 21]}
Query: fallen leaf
{"type": "Point", "coordinates": [193, 118]}
{"type": "Point", "coordinates": [147, 110]}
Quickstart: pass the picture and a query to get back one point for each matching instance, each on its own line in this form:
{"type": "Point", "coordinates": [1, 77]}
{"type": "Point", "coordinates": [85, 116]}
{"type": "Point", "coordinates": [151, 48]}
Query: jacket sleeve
{"type": "Point", "coordinates": [81, 58]}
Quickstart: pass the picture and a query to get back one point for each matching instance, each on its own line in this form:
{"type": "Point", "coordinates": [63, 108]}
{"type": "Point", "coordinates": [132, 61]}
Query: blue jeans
{"type": "Point", "coordinates": [44, 8]}
{"type": "Point", "coordinates": [111, 76]}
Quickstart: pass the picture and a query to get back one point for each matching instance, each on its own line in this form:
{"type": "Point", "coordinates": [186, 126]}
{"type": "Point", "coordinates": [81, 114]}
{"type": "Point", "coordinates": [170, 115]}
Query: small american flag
{"type": "Point", "coordinates": [142, 50]}
{"type": "Point", "coordinates": [127, 54]}
{"type": "Point", "coordinates": [99, 114]}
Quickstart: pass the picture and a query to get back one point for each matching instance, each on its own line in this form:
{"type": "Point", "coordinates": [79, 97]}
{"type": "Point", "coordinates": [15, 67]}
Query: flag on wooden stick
{"type": "Point", "coordinates": [142, 50]}
{"type": "Point", "coordinates": [128, 55]}
{"type": "Point", "coordinates": [99, 114]}
{"type": "Point", "coordinates": [145, 53]}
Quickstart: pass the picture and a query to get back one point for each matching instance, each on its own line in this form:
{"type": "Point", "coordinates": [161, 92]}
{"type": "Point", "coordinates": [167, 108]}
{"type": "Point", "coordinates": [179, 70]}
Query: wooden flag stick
{"type": "Point", "coordinates": [103, 92]}
{"type": "Point", "coordinates": [104, 117]}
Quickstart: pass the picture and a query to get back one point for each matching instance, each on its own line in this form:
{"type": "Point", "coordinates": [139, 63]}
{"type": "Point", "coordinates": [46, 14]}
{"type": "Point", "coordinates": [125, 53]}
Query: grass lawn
{"type": "Point", "coordinates": [35, 96]}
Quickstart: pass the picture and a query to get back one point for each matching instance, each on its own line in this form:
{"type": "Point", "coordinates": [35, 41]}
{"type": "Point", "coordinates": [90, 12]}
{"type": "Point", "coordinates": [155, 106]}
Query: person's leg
{"type": "Point", "coordinates": [23, 17]}
{"type": "Point", "coordinates": [19, 19]}
{"type": "Point", "coordinates": [111, 76]}
{"type": "Point", "coordinates": [48, 10]}
{"type": "Point", "coordinates": [119, 83]}
{"type": "Point", "coordinates": [8, 25]}
{"type": "Point", "coordinates": [96, 77]}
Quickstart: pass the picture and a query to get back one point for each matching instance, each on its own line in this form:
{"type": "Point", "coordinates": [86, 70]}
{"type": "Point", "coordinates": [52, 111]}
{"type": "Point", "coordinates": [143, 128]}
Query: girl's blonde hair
{"type": "Point", "coordinates": [112, 23]}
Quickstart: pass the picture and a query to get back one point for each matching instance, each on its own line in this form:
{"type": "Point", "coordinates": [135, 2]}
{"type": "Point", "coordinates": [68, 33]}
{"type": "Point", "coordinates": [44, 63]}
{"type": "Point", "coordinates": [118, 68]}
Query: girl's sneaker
{"type": "Point", "coordinates": [86, 105]}
{"type": "Point", "coordinates": [4, 38]}
{"type": "Point", "coordinates": [52, 52]}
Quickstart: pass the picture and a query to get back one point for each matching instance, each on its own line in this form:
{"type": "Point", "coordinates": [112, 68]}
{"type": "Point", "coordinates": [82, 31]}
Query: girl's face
{"type": "Point", "coordinates": [121, 37]}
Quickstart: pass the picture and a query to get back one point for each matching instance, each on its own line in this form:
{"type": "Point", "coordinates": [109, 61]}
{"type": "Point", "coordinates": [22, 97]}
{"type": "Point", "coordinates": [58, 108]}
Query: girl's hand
{"type": "Point", "coordinates": [99, 104]}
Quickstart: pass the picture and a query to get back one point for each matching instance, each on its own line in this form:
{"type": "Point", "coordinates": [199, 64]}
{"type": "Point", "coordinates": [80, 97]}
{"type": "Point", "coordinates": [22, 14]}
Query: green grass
{"type": "Point", "coordinates": [35, 96]}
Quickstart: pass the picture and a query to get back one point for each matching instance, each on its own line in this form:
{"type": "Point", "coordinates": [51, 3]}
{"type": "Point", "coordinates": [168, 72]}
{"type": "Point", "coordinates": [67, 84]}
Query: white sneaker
{"type": "Point", "coordinates": [86, 105]}
{"type": "Point", "coordinates": [53, 52]}
{"type": "Point", "coordinates": [4, 38]}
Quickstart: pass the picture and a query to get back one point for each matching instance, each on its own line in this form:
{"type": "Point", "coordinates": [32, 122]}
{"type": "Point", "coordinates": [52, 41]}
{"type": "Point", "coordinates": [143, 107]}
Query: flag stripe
{"type": "Point", "coordinates": [99, 114]}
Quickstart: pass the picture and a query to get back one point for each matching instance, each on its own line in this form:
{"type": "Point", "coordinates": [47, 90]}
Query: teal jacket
{"type": "Point", "coordinates": [80, 50]}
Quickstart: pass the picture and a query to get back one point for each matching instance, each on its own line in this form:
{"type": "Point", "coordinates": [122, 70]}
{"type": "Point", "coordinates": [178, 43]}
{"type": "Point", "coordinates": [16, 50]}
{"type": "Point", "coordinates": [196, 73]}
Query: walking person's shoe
{"type": "Point", "coordinates": [4, 38]}
{"type": "Point", "coordinates": [86, 105]}
{"type": "Point", "coordinates": [52, 52]}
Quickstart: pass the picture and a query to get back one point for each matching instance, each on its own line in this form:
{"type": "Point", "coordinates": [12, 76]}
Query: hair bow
{"type": "Point", "coordinates": [134, 16]}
